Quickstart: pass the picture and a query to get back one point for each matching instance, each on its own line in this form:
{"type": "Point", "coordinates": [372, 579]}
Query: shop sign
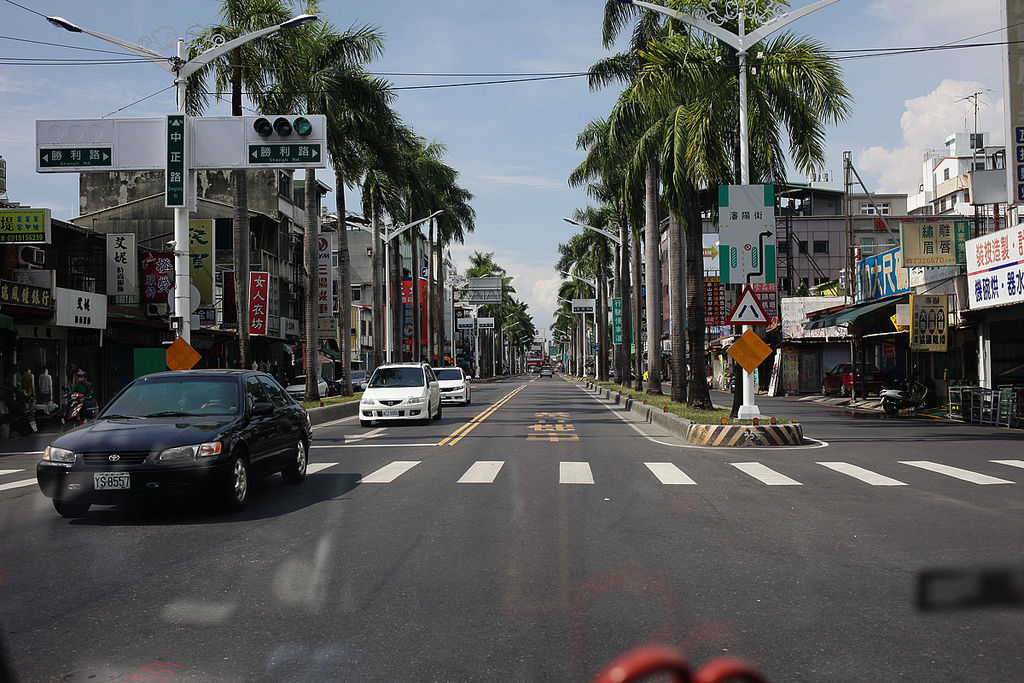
{"type": "Point", "coordinates": [157, 277]}
{"type": "Point", "coordinates": [24, 226]}
{"type": "Point", "coordinates": [207, 316]}
{"type": "Point", "coordinates": [259, 302]}
{"type": "Point", "coordinates": [24, 295]}
{"type": "Point", "coordinates": [882, 276]}
{"type": "Point", "coordinates": [995, 269]}
{"type": "Point", "coordinates": [928, 322]}
{"type": "Point", "coordinates": [934, 242]}
{"type": "Point", "coordinates": [327, 328]}
{"type": "Point", "coordinates": [76, 308]}
{"type": "Point", "coordinates": [291, 328]}
{"type": "Point", "coordinates": [767, 294]}
{"type": "Point", "coordinates": [746, 233]}
{"type": "Point", "coordinates": [200, 255]}
{"type": "Point", "coordinates": [714, 304]}
{"type": "Point", "coordinates": [324, 276]}
{"type": "Point", "coordinates": [122, 265]}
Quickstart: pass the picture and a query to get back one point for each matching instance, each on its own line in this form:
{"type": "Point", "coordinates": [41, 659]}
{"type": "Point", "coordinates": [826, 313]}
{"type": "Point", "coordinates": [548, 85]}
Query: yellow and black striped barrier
{"type": "Point", "coordinates": [745, 435]}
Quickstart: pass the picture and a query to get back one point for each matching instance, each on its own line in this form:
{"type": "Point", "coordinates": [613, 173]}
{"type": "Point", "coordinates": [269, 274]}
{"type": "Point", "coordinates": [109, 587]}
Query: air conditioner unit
{"type": "Point", "coordinates": [157, 310]}
{"type": "Point", "coordinates": [32, 256]}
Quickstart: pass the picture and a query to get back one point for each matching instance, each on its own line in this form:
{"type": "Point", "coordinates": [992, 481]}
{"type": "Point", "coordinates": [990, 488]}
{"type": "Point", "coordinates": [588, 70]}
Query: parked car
{"type": "Point", "coordinates": [333, 387]}
{"type": "Point", "coordinates": [401, 391]}
{"type": "Point", "coordinates": [841, 378]}
{"type": "Point", "coordinates": [546, 371]}
{"type": "Point", "coordinates": [297, 388]}
{"type": "Point", "coordinates": [455, 385]}
{"type": "Point", "coordinates": [199, 434]}
{"type": "Point", "coordinates": [358, 380]}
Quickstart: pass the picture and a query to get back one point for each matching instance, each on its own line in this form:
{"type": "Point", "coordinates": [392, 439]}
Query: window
{"type": "Point", "coordinates": [878, 208]}
{"type": "Point", "coordinates": [783, 247]}
{"type": "Point", "coordinates": [803, 246]}
{"type": "Point", "coordinates": [276, 393]}
{"type": "Point", "coordinates": [820, 246]}
{"type": "Point", "coordinates": [977, 141]}
{"type": "Point", "coordinates": [945, 174]}
{"type": "Point", "coordinates": [357, 293]}
{"type": "Point", "coordinates": [979, 166]}
{"type": "Point", "coordinates": [253, 393]}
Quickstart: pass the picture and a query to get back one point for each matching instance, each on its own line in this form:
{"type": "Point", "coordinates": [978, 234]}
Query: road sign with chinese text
{"type": "Point", "coordinates": [746, 220]}
{"type": "Point", "coordinates": [176, 166]}
{"type": "Point", "coordinates": [617, 320]}
{"type": "Point", "coordinates": [583, 305]}
{"type": "Point", "coordinates": [74, 158]}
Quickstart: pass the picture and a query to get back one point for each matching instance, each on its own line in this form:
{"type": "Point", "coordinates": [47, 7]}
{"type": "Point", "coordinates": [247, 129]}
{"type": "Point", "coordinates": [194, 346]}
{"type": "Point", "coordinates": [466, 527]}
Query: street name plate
{"type": "Point", "coordinates": [71, 158]}
{"type": "Point", "coordinates": [295, 155]}
{"type": "Point", "coordinates": [177, 164]}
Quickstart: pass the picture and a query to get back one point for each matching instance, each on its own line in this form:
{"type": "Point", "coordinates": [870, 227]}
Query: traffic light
{"type": "Point", "coordinates": [282, 127]}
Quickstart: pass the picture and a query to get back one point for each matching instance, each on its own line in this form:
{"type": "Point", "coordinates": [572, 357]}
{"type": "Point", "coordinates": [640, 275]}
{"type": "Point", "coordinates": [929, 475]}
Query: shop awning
{"type": "Point", "coordinates": [848, 315]}
{"type": "Point", "coordinates": [330, 353]}
{"type": "Point", "coordinates": [6, 322]}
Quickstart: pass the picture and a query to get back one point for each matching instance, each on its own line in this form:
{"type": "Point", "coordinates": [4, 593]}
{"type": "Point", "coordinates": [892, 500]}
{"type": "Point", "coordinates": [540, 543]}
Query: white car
{"type": "Point", "coordinates": [455, 385]}
{"type": "Point", "coordinates": [401, 392]}
{"type": "Point", "coordinates": [297, 388]}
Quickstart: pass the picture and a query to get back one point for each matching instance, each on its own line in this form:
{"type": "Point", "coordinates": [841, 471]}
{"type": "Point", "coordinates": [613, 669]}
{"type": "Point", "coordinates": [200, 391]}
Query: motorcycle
{"type": "Point", "coordinates": [910, 394]}
{"type": "Point", "coordinates": [77, 412]}
{"type": "Point", "coordinates": [21, 413]}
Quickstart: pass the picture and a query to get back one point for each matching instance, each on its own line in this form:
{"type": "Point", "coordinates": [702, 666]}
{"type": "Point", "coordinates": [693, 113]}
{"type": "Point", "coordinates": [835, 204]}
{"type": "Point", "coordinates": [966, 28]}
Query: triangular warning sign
{"type": "Point", "coordinates": [748, 310]}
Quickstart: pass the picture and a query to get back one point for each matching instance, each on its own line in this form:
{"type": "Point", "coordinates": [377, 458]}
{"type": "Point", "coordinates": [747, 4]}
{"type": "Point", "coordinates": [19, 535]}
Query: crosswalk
{"type": "Point", "coordinates": [15, 483]}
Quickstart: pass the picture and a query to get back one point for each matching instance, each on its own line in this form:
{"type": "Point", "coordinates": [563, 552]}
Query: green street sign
{"type": "Point", "coordinates": [176, 168]}
{"type": "Point", "coordinates": [293, 155]}
{"type": "Point", "coordinates": [617, 320]}
{"type": "Point", "coordinates": [75, 157]}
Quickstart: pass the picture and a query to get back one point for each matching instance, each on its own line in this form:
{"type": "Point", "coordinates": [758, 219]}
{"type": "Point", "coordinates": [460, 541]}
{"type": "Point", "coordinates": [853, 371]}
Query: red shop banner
{"type": "Point", "coordinates": [157, 277]}
{"type": "Point", "coordinates": [259, 297]}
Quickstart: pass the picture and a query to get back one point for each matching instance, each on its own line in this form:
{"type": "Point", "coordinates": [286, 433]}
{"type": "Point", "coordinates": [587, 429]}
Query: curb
{"type": "Point", "coordinates": [332, 412]}
{"type": "Point", "coordinates": [741, 436]}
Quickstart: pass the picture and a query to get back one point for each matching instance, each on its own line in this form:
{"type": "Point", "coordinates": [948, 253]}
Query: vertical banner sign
{"type": "Point", "coordinates": [714, 313]}
{"type": "Point", "coordinates": [122, 266]}
{"type": "Point", "coordinates": [928, 318]}
{"type": "Point", "coordinates": [1013, 98]}
{"type": "Point", "coordinates": [746, 220]}
{"type": "Point", "coordinates": [995, 269]}
{"type": "Point", "coordinates": [200, 253]}
{"type": "Point", "coordinates": [324, 275]}
{"type": "Point", "coordinates": [934, 242]}
{"type": "Point", "coordinates": [177, 163]}
{"type": "Point", "coordinates": [157, 277]}
{"type": "Point", "coordinates": [259, 304]}
{"type": "Point", "coordinates": [617, 320]}
{"type": "Point", "coordinates": [229, 308]}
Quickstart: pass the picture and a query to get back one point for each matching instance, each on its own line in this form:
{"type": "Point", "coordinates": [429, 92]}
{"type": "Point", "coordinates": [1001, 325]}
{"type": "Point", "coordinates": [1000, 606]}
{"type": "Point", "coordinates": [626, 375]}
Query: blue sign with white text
{"type": "Point", "coordinates": [881, 276]}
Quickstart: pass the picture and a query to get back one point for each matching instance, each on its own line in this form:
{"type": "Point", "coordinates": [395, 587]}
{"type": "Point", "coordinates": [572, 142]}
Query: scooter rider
{"type": "Point", "coordinates": [84, 387]}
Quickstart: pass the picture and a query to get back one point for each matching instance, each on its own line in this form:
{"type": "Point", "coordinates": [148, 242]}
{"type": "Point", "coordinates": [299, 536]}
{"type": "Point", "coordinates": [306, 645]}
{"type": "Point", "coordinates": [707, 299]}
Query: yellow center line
{"type": "Point", "coordinates": [457, 435]}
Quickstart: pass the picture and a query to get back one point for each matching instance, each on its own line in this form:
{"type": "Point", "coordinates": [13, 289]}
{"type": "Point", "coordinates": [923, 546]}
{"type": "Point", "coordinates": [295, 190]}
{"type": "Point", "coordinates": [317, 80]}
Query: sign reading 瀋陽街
{"type": "Point", "coordinates": [583, 305]}
{"type": "Point", "coordinates": [881, 276]}
{"type": "Point", "coordinates": [933, 242]}
{"type": "Point", "coordinates": [176, 168]}
{"type": "Point", "coordinates": [122, 266]}
{"type": "Point", "coordinates": [485, 323]}
{"type": "Point", "coordinates": [76, 308]}
{"type": "Point", "coordinates": [928, 320]}
{"type": "Point", "coordinates": [617, 320]}
{"type": "Point", "coordinates": [746, 233]}
{"type": "Point", "coordinates": [995, 268]}
{"type": "Point", "coordinates": [201, 248]}
{"type": "Point", "coordinates": [24, 226]}
{"type": "Point", "coordinates": [325, 275]}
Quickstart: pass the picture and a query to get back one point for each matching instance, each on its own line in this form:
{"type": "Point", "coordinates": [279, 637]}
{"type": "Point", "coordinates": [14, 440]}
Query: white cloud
{"type": "Point", "coordinates": [935, 21]}
{"type": "Point", "coordinates": [926, 122]}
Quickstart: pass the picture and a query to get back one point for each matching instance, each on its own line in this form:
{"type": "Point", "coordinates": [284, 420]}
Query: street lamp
{"type": "Point", "coordinates": [183, 68]}
{"type": "Point", "coordinates": [772, 19]}
{"type": "Point", "coordinates": [387, 237]}
{"type": "Point", "coordinates": [603, 233]}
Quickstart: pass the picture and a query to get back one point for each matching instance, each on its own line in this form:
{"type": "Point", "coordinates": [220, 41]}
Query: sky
{"type": "Point", "coordinates": [513, 144]}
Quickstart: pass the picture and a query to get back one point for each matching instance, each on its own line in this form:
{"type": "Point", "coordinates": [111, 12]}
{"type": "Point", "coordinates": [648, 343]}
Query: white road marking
{"type": "Point", "coordinates": [22, 453]}
{"type": "Point", "coordinates": [765, 474]}
{"type": "Point", "coordinates": [864, 475]}
{"type": "Point", "coordinates": [3, 472]}
{"type": "Point", "coordinates": [575, 473]}
{"type": "Point", "coordinates": [377, 445]}
{"type": "Point", "coordinates": [955, 472]}
{"type": "Point", "coordinates": [202, 612]}
{"type": "Point", "coordinates": [390, 472]}
{"type": "Point", "coordinates": [1011, 463]}
{"type": "Point", "coordinates": [353, 438]}
{"type": "Point", "coordinates": [669, 474]}
{"type": "Point", "coordinates": [350, 418]}
{"type": "Point", "coordinates": [482, 472]}
{"type": "Point", "coordinates": [17, 484]}
{"type": "Point", "coordinates": [314, 467]}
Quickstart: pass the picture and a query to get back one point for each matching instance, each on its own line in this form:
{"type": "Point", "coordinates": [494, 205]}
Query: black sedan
{"type": "Point", "coordinates": [198, 433]}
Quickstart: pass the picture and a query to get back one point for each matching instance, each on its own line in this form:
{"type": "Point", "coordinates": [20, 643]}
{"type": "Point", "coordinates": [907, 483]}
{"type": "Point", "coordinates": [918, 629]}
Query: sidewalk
{"type": "Point", "coordinates": [17, 445]}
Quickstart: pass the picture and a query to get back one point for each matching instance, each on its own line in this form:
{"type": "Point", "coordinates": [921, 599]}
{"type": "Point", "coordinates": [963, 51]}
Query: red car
{"type": "Point", "coordinates": [840, 379]}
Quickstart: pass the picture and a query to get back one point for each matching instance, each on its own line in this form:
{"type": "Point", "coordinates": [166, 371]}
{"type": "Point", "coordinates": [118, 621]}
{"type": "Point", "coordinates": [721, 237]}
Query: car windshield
{"type": "Point", "coordinates": [177, 397]}
{"type": "Point", "coordinates": [358, 374]}
{"type": "Point", "coordinates": [396, 377]}
{"type": "Point", "coordinates": [448, 373]}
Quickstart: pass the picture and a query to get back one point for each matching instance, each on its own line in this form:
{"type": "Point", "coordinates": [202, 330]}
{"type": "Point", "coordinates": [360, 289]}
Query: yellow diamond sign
{"type": "Point", "coordinates": [181, 356]}
{"type": "Point", "coordinates": [749, 351]}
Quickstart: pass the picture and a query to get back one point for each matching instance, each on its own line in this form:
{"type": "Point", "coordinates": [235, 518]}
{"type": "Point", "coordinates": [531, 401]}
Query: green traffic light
{"type": "Point", "coordinates": [302, 126]}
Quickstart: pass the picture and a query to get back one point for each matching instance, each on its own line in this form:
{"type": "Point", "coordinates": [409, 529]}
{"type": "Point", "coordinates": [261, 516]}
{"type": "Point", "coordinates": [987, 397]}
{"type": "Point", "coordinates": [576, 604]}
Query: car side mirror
{"type": "Point", "coordinates": [263, 408]}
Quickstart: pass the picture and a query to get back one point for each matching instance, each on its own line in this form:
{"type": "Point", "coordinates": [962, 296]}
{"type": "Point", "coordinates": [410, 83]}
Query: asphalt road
{"type": "Point", "coordinates": [534, 536]}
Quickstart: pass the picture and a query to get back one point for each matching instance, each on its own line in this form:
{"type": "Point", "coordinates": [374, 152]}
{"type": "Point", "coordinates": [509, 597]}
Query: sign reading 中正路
{"type": "Point", "coordinates": [176, 170]}
{"type": "Point", "coordinates": [995, 268]}
{"type": "Point", "coordinates": [881, 276]}
{"type": "Point", "coordinates": [122, 266]}
{"type": "Point", "coordinates": [928, 321]}
{"type": "Point", "coordinates": [24, 226]}
{"type": "Point", "coordinates": [933, 242]}
{"type": "Point", "coordinates": [746, 233]}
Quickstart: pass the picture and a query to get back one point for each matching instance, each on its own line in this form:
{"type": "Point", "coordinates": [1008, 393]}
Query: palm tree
{"type": "Point", "coordinates": [247, 68]}
{"type": "Point", "coordinates": [451, 226]}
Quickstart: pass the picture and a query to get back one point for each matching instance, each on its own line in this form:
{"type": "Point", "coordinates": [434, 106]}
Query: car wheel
{"type": "Point", "coordinates": [824, 389]}
{"type": "Point", "coordinates": [890, 408]}
{"type": "Point", "coordinates": [66, 508]}
{"type": "Point", "coordinates": [236, 491]}
{"type": "Point", "coordinates": [295, 471]}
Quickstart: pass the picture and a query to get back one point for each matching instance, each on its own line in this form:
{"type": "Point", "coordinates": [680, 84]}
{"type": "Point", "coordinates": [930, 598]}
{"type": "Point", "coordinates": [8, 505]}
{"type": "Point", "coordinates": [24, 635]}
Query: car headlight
{"type": "Point", "coordinates": [414, 399]}
{"type": "Point", "coordinates": [61, 455]}
{"type": "Point", "coordinates": [189, 453]}
{"type": "Point", "coordinates": [366, 401]}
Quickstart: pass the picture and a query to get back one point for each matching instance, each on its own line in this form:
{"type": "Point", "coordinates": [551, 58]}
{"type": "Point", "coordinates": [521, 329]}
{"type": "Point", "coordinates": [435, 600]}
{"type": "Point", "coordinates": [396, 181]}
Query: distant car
{"type": "Point", "coordinates": [358, 380]}
{"type": "Point", "coordinates": [193, 434]}
{"type": "Point", "coordinates": [297, 389]}
{"type": "Point", "coordinates": [455, 385]}
{"type": "Point", "coordinates": [841, 379]}
{"type": "Point", "coordinates": [401, 391]}
{"type": "Point", "coordinates": [546, 371]}
{"type": "Point", "coordinates": [333, 387]}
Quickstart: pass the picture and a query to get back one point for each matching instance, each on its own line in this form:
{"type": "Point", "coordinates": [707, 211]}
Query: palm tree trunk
{"type": "Point", "coordinates": [312, 199]}
{"type": "Point", "coordinates": [617, 294]}
{"type": "Point", "coordinates": [378, 300]}
{"type": "Point", "coordinates": [635, 315]}
{"type": "Point", "coordinates": [345, 323]}
{"type": "Point", "coordinates": [627, 308]}
{"type": "Point", "coordinates": [699, 396]}
{"type": "Point", "coordinates": [652, 260]}
{"type": "Point", "coordinates": [417, 352]}
{"type": "Point", "coordinates": [240, 225]}
{"type": "Point", "coordinates": [601, 313]}
{"type": "Point", "coordinates": [677, 308]}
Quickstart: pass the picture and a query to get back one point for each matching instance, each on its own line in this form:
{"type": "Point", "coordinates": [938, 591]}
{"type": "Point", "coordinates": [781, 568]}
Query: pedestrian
{"type": "Point", "coordinates": [28, 385]}
{"type": "Point", "coordinates": [45, 384]}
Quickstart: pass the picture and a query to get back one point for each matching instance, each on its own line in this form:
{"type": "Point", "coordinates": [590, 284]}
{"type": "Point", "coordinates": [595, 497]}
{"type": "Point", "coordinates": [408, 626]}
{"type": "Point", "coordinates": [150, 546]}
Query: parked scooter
{"type": "Point", "coordinates": [20, 412]}
{"type": "Point", "coordinates": [910, 394]}
{"type": "Point", "coordinates": [77, 412]}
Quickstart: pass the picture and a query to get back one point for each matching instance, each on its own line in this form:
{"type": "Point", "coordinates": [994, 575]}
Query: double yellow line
{"type": "Point", "coordinates": [457, 435]}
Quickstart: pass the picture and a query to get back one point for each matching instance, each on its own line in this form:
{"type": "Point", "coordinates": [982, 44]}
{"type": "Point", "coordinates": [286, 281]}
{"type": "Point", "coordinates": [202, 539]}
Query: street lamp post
{"type": "Point", "coordinates": [183, 68]}
{"type": "Point", "coordinates": [772, 19]}
{"type": "Point", "coordinates": [387, 237]}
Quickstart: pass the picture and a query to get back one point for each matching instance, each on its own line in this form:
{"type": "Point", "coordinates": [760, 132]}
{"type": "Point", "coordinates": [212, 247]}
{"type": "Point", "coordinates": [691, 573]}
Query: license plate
{"type": "Point", "coordinates": [390, 413]}
{"type": "Point", "coordinates": [106, 481]}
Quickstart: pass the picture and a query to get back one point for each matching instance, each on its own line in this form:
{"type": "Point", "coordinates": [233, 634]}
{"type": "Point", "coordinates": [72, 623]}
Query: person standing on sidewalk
{"type": "Point", "coordinates": [45, 385]}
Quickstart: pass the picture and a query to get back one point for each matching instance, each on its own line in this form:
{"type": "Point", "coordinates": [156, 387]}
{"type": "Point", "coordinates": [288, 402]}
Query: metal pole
{"type": "Point", "coordinates": [182, 265]}
{"type": "Point", "coordinates": [476, 341]}
{"type": "Point", "coordinates": [748, 410]}
{"type": "Point", "coordinates": [387, 299]}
